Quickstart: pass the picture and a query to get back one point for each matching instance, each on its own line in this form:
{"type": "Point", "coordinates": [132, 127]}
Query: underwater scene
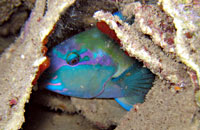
{"type": "Point", "coordinates": [100, 65]}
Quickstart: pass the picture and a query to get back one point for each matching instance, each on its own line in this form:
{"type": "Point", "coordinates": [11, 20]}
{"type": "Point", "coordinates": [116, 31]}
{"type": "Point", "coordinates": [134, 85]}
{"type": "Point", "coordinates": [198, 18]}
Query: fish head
{"type": "Point", "coordinates": [78, 71]}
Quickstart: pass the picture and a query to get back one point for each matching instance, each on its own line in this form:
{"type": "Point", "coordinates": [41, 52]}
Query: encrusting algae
{"type": "Point", "coordinates": [165, 40]}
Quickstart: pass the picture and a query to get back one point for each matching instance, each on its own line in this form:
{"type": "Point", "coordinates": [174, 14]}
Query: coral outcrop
{"type": "Point", "coordinates": [165, 37]}
{"type": "Point", "coordinates": [20, 62]}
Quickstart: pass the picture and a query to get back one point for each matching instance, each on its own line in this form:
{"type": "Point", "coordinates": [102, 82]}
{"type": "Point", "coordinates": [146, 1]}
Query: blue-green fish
{"type": "Point", "coordinates": [91, 65]}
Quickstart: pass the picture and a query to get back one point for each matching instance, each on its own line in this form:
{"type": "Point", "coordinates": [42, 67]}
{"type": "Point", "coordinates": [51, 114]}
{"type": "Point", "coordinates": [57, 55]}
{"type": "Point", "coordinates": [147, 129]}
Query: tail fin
{"type": "Point", "coordinates": [135, 83]}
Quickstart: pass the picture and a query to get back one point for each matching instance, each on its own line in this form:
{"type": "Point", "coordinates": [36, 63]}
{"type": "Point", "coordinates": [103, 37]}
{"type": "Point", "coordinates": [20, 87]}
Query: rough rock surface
{"type": "Point", "coordinates": [13, 14]}
{"type": "Point", "coordinates": [169, 105]}
{"type": "Point", "coordinates": [187, 21]}
{"type": "Point", "coordinates": [7, 8]}
{"type": "Point", "coordinates": [163, 109]}
{"type": "Point", "coordinates": [20, 62]}
{"type": "Point", "coordinates": [42, 115]}
{"type": "Point", "coordinates": [102, 113]}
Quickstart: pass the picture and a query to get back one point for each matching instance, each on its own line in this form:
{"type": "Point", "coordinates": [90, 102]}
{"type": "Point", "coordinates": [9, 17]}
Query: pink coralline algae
{"type": "Point", "coordinates": [162, 30]}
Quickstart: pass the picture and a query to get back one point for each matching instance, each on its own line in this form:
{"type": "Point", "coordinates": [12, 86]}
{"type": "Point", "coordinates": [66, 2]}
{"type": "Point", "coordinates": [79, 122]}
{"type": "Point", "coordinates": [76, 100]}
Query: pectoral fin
{"type": "Point", "coordinates": [135, 83]}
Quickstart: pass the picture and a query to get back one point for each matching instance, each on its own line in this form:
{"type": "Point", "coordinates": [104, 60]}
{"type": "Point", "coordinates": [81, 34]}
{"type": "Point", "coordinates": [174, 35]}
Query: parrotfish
{"type": "Point", "coordinates": [91, 65]}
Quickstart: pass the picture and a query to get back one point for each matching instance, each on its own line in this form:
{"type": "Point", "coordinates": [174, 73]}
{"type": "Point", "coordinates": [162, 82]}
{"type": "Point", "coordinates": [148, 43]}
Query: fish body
{"type": "Point", "coordinates": [91, 65]}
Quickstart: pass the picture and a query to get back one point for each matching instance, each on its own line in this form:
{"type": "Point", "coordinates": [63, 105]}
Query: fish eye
{"type": "Point", "coordinates": [73, 58]}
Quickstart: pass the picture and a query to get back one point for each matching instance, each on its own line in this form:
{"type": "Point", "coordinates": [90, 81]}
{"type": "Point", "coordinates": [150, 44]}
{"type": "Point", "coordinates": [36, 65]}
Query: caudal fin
{"type": "Point", "coordinates": [135, 83]}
